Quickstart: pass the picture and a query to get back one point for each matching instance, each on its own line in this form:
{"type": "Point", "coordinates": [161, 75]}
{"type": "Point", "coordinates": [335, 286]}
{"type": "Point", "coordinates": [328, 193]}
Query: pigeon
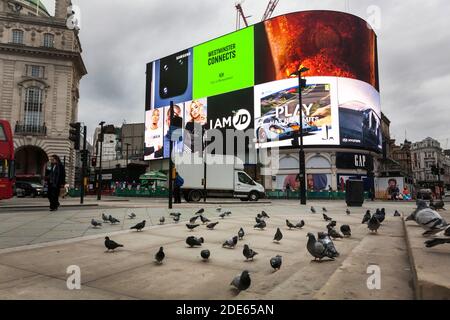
{"type": "Point", "coordinates": [205, 254]}
{"type": "Point", "coordinates": [437, 205]}
{"type": "Point", "coordinates": [275, 262]}
{"type": "Point", "coordinates": [193, 220]}
{"type": "Point", "coordinates": [264, 215]}
{"type": "Point", "coordinates": [318, 250]}
{"type": "Point", "coordinates": [204, 220]}
{"type": "Point", "coordinates": [248, 253]}
{"type": "Point", "coordinates": [162, 220]}
{"type": "Point", "coordinates": [260, 225]}
{"type": "Point", "coordinates": [428, 219]}
{"type": "Point", "coordinates": [324, 209]}
{"type": "Point", "coordinates": [334, 234]}
{"type": "Point", "coordinates": [435, 242]}
{"type": "Point", "coordinates": [200, 211]}
{"type": "Point", "coordinates": [346, 231]}
{"type": "Point", "coordinates": [313, 210]}
{"type": "Point", "coordinates": [242, 282]}
{"type": "Point", "coordinates": [176, 219]}
{"type": "Point", "coordinates": [192, 226]}
{"type": "Point", "coordinates": [241, 233]}
{"type": "Point", "coordinates": [222, 215]}
{"type": "Point", "coordinates": [212, 225]}
{"type": "Point", "coordinates": [111, 245]}
{"type": "Point", "coordinates": [260, 216]}
{"type": "Point", "coordinates": [105, 218]}
{"type": "Point", "coordinates": [332, 224]}
{"type": "Point", "coordinates": [193, 241]}
{"type": "Point", "coordinates": [380, 214]}
{"type": "Point", "coordinates": [219, 208]}
{"type": "Point", "coordinates": [159, 256]}
{"type": "Point", "coordinates": [132, 215]}
{"type": "Point", "coordinates": [258, 220]}
{"type": "Point", "coordinates": [278, 235]}
{"type": "Point", "coordinates": [227, 213]}
{"type": "Point", "coordinates": [95, 223]}
{"type": "Point", "coordinates": [113, 220]}
{"type": "Point", "coordinates": [289, 224]}
{"type": "Point", "coordinates": [139, 226]}
{"type": "Point", "coordinates": [373, 224]}
{"type": "Point", "coordinates": [326, 218]}
{"type": "Point", "coordinates": [230, 243]}
{"type": "Point", "coordinates": [300, 225]}
{"type": "Point", "coordinates": [366, 217]}
{"type": "Point", "coordinates": [397, 214]}
{"type": "Point", "coordinates": [327, 242]}
{"type": "Point", "coordinates": [175, 214]}
{"type": "Point", "coordinates": [347, 211]}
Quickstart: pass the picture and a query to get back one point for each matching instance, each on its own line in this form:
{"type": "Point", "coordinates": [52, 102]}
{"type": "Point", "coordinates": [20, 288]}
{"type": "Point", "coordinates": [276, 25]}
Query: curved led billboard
{"type": "Point", "coordinates": [241, 81]}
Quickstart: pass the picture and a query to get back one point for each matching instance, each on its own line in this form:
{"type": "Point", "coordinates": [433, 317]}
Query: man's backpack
{"type": "Point", "coordinates": [179, 181]}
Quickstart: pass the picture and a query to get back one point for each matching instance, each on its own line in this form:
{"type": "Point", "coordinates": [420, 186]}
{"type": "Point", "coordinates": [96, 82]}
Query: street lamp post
{"type": "Point", "coordinates": [127, 144]}
{"type": "Point", "coordinates": [99, 189]}
{"type": "Point", "coordinates": [301, 153]}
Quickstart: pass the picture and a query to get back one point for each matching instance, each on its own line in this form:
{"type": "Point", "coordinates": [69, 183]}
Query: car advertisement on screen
{"type": "Point", "coordinates": [277, 113]}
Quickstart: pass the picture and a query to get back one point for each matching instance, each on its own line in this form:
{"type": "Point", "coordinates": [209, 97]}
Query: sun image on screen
{"type": "Point", "coordinates": [278, 121]}
{"type": "Point", "coordinates": [154, 134]}
{"type": "Point", "coordinates": [195, 124]}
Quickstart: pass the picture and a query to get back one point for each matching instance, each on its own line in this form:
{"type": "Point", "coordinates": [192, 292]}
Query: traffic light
{"type": "Point", "coordinates": [295, 142]}
{"type": "Point", "coordinates": [303, 83]}
{"type": "Point", "coordinates": [75, 134]}
{"type": "Point", "coordinates": [94, 162]}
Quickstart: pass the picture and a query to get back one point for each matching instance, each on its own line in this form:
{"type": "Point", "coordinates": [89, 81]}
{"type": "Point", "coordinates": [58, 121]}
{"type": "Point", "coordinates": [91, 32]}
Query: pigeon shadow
{"type": "Point", "coordinates": [234, 291]}
{"type": "Point", "coordinates": [322, 261]}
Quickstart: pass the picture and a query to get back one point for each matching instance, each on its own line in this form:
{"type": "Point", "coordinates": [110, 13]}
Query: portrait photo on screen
{"type": "Point", "coordinates": [195, 123]}
{"type": "Point", "coordinates": [178, 114]}
{"type": "Point", "coordinates": [154, 122]}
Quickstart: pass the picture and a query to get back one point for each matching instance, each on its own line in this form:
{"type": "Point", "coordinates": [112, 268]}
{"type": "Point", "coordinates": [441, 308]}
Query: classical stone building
{"type": "Point", "coordinates": [40, 71]}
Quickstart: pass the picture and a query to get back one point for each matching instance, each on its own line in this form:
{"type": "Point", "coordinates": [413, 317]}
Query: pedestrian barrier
{"type": "Point", "coordinates": [314, 195]}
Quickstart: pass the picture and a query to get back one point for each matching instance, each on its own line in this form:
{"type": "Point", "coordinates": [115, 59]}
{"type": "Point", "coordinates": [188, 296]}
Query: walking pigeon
{"type": "Point", "coordinates": [264, 215]}
{"type": "Point", "coordinates": [193, 241]}
{"type": "Point", "coordinates": [175, 214]}
{"type": "Point", "coordinates": [346, 231]}
{"type": "Point", "coordinates": [366, 217]}
{"type": "Point", "coordinates": [204, 219]}
{"type": "Point", "coordinates": [373, 224]}
{"type": "Point", "coordinates": [113, 220]}
{"type": "Point", "coordinates": [347, 211]}
{"type": "Point", "coordinates": [326, 218]}
{"type": "Point", "coordinates": [278, 235]}
{"type": "Point", "coordinates": [300, 225]}
{"type": "Point", "coordinates": [258, 220]}
{"type": "Point", "coordinates": [313, 210]}
{"type": "Point", "coordinates": [193, 220]}
{"type": "Point", "coordinates": [205, 254]}
{"type": "Point", "coordinates": [132, 215]}
{"type": "Point", "coordinates": [192, 226]}
{"type": "Point", "coordinates": [227, 213]}
{"type": "Point", "coordinates": [328, 243]}
{"type": "Point", "coordinates": [332, 224]}
{"type": "Point", "coordinates": [248, 253]}
{"type": "Point", "coordinates": [317, 248]}
{"type": "Point", "coordinates": [219, 208]}
{"type": "Point", "coordinates": [260, 225]}
{"type": "Point", "coordinates": [334, 234]}
{"type": "Point", "coordinates": [242, 282]}
{"type": "Point", "coordinates": [241, 233]}
{"type": "Point", "coordinates": [275, 262]}
{"type": "Point", "coordinates": [380, 214]}
{"type": "Point", "coordinates": [324, 209]}
{"type": "Point", "coordinates": [176, 219]}
{"type": "Point", "coordinates": [289, 224]}
{"type": "Point", "coordinates": [111, 245]}
{"type": "Point", "coordinates": [397, 214]}
{"type": "Point", "coordinates": [230, 243]}
{"type": "Point", "coordinates": [428, 219]}
{"type": "Point", "coordinates": [105, 218]}
{"type": "Point", "coordinates": [437, 205]}
{"type": "Point", "coordinates": [162, 220]}
{"type": "Point", "coordinates": [95, 223]}
{"type": "Point", "coordinates": [159, 256]}
{"type": "Point", "coordinates": [200, 211]}
{"type": "Point", "coordinates": [139, 226]}
{"type": "Point", "coordinates": [211, 225]}
{"type": "Point", "coordinates": [222, 215]}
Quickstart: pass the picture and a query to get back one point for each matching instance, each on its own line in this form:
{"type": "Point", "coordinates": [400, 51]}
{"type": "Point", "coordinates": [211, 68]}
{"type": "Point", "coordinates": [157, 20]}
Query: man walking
{"type": "Point", "coordinates": [179, 181]}
{"type": "Point", "coordinates": [56, 180]}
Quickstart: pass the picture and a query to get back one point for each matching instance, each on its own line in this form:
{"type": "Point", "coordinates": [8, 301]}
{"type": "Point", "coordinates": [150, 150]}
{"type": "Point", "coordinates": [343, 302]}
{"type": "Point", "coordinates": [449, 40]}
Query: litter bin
{"type": "Point", "coordinates": [354, 193]}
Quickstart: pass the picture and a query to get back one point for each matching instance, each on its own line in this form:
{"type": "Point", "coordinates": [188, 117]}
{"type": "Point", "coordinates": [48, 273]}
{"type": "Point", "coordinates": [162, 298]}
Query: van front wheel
{"type": "Point", "coordinates": [253, 196]}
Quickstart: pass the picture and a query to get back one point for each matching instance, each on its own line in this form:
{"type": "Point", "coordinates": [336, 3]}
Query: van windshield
{"type": "Point", "coordinates": [244, 178]}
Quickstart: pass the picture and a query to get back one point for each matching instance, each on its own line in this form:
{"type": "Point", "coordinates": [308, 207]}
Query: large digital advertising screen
{"type": "Point", "coordinates": [242, 82]}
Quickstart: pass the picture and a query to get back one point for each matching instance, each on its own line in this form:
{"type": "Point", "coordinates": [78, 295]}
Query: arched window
{"type": "Point", "coordinates": [33, 115]}
{"type": "Point", "coordinates": [49, 40]}
{"type": "Point", "coordinates": [17, 36]}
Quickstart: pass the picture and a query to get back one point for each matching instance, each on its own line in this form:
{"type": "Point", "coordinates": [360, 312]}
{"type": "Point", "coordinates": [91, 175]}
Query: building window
{"type": "Point", "coordinates": [49, 40]}
{"type": "Point", "coordinates": [17, 36]}
{"type": "Point", "coordinates": [35, 71]}
{"type": "Point", "coordinates": [33, 116]}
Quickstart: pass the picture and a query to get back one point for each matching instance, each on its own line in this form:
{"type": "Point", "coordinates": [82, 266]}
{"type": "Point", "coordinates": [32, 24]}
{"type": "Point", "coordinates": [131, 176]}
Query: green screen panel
{"type": "Point", "coordinates": [225, 64]}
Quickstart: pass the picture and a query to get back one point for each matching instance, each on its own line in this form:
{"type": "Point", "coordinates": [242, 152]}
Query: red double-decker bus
{"type": "Point", "coordinates": [6, 161]}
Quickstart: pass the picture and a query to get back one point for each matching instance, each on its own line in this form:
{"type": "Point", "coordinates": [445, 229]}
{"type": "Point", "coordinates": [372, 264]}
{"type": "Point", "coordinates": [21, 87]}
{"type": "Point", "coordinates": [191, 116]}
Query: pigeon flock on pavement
{"type": "Point", "coordinates": [320, 247]}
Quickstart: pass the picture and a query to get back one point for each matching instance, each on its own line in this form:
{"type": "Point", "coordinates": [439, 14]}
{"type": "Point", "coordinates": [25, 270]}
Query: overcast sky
{"type": "Point", "coordinates": [119, 37]}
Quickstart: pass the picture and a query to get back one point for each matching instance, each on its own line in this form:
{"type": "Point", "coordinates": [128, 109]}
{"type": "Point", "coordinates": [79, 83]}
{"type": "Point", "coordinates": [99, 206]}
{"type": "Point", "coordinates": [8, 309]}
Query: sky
{"type": "Point", "coordinates": [119, 37]}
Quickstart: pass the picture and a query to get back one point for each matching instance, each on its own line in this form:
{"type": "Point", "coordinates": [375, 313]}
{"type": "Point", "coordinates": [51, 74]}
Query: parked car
{"type": "Point", "coordinates": [425, 194]}
{"type": "Point", "coordinates": [32, 189]}
{"type": "Point", "coordinates": [18, 192]}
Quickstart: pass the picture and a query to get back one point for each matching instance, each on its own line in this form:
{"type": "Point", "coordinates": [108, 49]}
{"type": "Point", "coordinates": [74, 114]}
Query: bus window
{"type": "Point", "coordinates": [2, 133]}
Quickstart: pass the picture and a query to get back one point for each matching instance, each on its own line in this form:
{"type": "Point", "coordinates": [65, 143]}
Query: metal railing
{"type": "Point", "coordinates": [30, 129]}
